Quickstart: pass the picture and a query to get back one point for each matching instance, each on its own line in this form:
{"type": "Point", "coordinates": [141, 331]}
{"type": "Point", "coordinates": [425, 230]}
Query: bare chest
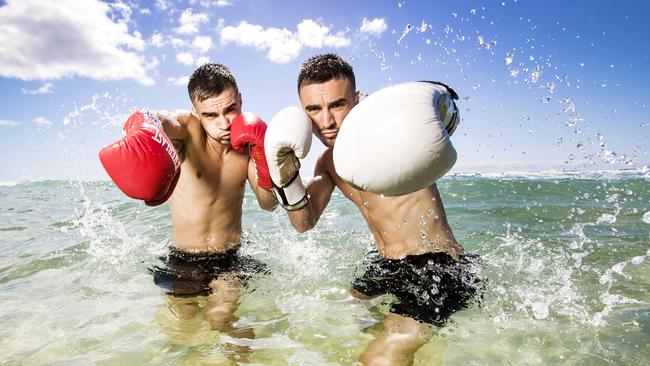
{"type": "Point", "coordinates": [204, 169]}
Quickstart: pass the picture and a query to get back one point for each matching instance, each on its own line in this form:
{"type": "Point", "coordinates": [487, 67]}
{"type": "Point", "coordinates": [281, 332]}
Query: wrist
{"type": "Point", "coordinates": [293, 195]}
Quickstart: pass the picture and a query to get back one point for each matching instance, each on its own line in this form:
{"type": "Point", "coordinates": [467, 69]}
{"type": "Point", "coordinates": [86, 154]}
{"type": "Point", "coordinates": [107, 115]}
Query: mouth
{"type": "Point", "coordinates": [329, 134]}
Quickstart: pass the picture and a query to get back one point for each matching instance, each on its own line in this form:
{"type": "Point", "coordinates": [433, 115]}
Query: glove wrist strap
{"type": "Point", "coordinates": [293, 195]}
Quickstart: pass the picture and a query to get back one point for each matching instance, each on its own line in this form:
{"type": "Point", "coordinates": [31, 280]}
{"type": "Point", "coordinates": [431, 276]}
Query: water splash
{"type": "Point", "coordinates": [407, 29]}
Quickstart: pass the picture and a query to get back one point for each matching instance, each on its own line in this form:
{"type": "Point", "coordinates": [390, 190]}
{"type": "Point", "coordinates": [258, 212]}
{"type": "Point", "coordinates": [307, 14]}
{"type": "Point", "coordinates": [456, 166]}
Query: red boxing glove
{"type": "Point", "coordinates": [143, 164]}
{"type": "Point", "coordinates": [248, 129]}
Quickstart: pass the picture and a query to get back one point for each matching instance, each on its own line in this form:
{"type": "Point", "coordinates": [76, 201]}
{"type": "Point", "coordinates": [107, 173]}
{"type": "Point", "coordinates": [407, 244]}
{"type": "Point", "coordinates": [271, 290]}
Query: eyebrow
{"type": "Point", "coordinates": [341, 100]}
{"type": "Point", "coordinates": [311, 107]}
{"type": "Point", "coordinates": [229, 107]}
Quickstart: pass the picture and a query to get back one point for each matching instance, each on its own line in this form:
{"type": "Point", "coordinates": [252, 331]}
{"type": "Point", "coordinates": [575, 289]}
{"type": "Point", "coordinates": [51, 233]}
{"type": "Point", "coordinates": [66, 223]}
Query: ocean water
{"type": "Point", "coordinates": [565, 255]}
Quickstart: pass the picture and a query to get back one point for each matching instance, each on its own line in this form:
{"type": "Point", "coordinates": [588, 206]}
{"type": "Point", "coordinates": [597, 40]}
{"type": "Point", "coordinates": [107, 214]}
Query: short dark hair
{"type": "Point", "coordinates": [210, 80]}
{"type": "Point", "coordinates": [322, 68]}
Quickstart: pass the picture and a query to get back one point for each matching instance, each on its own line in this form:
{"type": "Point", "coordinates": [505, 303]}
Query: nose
{"type": "Point", "coordinates": [223, 123]}
{"type": "Point", "coordinates": [328, 119]}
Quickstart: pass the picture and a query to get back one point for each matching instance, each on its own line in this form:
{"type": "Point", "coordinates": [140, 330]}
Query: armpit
{"type": "Point", "coordinates": [179, 145]}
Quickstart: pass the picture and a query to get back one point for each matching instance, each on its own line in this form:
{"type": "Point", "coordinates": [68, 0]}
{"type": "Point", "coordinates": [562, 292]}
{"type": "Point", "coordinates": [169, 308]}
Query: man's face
{"type": "Point", "coordinates": [327, 104]}
{"type": "Point", "coordinates": [216, 114]}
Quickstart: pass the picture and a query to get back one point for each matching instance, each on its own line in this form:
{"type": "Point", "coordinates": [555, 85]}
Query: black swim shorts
{"type": "Point", "coordinates": [186, 274]}
{"type": "Point", "coordinates": [428, 287]}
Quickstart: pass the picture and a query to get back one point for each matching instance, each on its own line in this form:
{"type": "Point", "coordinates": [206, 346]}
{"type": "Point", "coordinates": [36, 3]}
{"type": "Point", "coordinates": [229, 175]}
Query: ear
{"type": "Point", "coordinates": [241, 102]}
{"type": "Point", "coordinates": [356, 97]}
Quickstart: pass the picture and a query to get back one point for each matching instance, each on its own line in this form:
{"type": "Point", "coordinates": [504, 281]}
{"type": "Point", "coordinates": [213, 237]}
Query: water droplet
{"type": "Point", "coordinates": [423, 26]}
{"type": "Point", "coordinates": [550, 87]}
{"type": "Point", "coordinates": [510, 56]}
{"type": "Point", "coordinates": [406, 31]}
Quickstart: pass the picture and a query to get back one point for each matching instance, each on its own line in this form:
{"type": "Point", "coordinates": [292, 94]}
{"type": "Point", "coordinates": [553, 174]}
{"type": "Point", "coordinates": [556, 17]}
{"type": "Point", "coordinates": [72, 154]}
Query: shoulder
{"type": "Point", "coordinates": [325, 162]}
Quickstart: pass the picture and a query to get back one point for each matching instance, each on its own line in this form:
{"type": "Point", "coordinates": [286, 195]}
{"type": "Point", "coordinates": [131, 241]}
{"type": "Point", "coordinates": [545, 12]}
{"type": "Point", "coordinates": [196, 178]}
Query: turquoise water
{"type": "Point", "coordinates": [565, 257]}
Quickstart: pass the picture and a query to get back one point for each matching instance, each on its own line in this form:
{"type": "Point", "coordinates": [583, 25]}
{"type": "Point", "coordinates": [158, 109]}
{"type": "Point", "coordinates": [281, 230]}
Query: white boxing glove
{"type": "Point", "coordinates": [396, 141]}
{"type": "Point", "coordinates": [288, 138]}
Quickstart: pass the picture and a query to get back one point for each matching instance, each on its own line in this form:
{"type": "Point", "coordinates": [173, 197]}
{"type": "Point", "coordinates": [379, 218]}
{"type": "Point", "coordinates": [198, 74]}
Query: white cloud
{"type": "Point", "coordinates": [209, 3]}
{"type": "Point", "coordinates": [185, 58]}
{"type": "Point", "coordinates": [7, 122]}
{"type": "Point", "coordinates": [153, 64]}
{"type": "Point", "coordinates": [190, 22]}
{"type": "Point", "coordinates": [202, 61]}
{"type": "Point", "coordinates": [162, 4]}
{"type": "Point", "coordinates": [180, 81]}
{"type": "Point", "coordinates": [123, 9]}
{"type": "Point", "coordinates": [43, 89]}
{"type": "Point", "coordinates": [202, 44]}
{"type": "Point", "coordinates": [374, 27]}
{"type": "Point", "coordinates": [177, 42]}
{"type": "Point", "coordinates": [314, 35]}
{"type": "Point", "coordinates": [54, 39]}
{"type": "Point", "coordinates": [42, 121]}
{"type": "Point", "coordinates": [282, 45]}
{"type": "Point", "coordinates": [156, 40]}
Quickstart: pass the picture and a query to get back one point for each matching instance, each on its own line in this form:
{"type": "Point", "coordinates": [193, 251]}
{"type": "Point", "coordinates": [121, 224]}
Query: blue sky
{"type": "Point", "coordinates": [543, 84]}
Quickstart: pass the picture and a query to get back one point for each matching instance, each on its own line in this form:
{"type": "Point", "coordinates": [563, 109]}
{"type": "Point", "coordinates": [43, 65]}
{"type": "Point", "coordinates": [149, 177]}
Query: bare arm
{"type": "Point", "coordinates": [175, 123]}
{"type": "Point", "coordinates": [265, 198]}
{"type": "Point", "coordinates": [320, 190]}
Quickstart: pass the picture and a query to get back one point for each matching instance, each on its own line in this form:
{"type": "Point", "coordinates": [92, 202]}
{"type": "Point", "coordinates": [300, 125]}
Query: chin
{"type": "Point", "coordinates": [327, 142]}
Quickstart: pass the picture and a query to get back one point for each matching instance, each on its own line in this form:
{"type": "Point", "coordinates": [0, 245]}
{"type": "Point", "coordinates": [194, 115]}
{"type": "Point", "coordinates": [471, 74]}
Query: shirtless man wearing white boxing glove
{"type": "Point", "coordinates": [418, 259]}
{"type": "Point", "coordinates": [201, 162]}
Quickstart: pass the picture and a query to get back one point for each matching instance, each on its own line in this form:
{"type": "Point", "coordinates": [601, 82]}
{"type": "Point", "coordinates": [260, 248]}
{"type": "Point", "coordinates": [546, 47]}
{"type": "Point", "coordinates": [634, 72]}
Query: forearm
{"type": "Point", "coordinates": [266, 199]}
{"type": "Point", "coordinates": [303, 219]}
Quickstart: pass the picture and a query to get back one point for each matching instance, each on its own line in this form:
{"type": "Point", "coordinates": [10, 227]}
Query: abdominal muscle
{"type": "Point", "coordinates": [206, 229]}
{"type": "Point", "coordinates": [206, 207]}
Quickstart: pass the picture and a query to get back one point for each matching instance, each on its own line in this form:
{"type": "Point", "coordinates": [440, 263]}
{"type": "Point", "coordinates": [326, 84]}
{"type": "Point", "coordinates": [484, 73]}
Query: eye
{"type": "Point", "coordinates": [338, 104]}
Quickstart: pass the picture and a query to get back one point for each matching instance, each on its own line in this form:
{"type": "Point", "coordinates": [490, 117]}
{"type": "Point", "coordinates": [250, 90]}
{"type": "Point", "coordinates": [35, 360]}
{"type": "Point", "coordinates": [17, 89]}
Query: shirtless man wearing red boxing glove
{"type": "Point", "coordinates": [200, 161]}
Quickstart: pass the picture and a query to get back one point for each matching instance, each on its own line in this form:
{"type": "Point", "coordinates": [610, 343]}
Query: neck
{"type": "Point", "coordinates": [217, 146]}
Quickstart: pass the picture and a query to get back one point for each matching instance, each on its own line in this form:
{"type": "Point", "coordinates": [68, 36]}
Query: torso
{"type": "Point", "coordinates": [411, 224]}
{"type": "Point", "coordinates": [206, 206]}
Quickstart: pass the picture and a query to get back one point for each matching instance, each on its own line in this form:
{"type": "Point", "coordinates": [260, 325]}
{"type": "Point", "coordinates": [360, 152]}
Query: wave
{"type": "Point", "coordinates": [51, 182]}
{"type": "Point", "coordinates": [614, 174]}
{"type": "Point", "coordinates": [640, 173]}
